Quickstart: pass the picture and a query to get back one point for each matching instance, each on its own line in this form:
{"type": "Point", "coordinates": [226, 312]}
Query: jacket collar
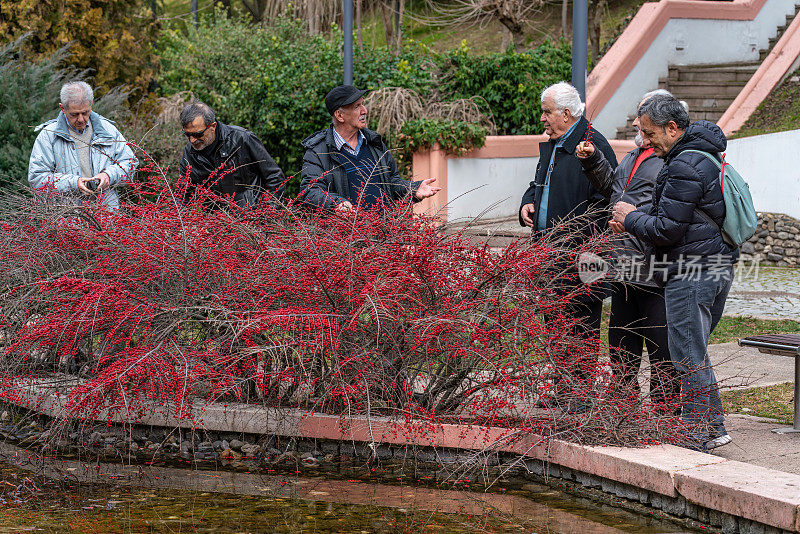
{"type": "Point", "coordinates": [576, 136]}
{"type": "Point", "coordinates": [677, 147]}
{"type": "Point", "coordinates": [223, 131]}
{"type": "Point", "coordinates": [371, 137]}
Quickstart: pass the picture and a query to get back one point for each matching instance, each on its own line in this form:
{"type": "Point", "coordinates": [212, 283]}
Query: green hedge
{"type": "Point", "coordinates": [273, 80]}
{"type": "Point", "coordinates": [457, 137]}
{"type": "Point", "coordinates": [510, 83]}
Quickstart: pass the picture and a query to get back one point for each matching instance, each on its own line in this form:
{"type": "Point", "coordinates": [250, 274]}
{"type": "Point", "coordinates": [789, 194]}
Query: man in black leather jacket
{"type": "Point", "coordinates": [226, 159]}
{"type": "Point", "coordinates": [683, 224]}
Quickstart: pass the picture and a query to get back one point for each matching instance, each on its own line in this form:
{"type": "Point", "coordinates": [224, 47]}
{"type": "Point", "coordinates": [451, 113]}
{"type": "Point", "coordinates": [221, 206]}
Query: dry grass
{"type": "Point", "coordinates": [774, 402]}
{"type": "Point", "coordinates": [391, 107]}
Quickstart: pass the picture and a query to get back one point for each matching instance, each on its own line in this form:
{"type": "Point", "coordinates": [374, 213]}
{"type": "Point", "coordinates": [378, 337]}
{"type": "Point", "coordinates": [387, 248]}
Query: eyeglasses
{"type": "Point", "coordinates": [198, 135]}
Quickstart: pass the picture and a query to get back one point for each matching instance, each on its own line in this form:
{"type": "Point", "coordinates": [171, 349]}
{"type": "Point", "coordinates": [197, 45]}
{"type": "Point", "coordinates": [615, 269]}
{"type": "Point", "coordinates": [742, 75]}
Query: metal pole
{"type": "Point", "coordinates": [194, 12]}
{"type": "Point", "coordinates": [348, 42]}
{"type": "Point", "coordinates": [580, 38]}
{"type": "Point", "coordinates": [796, 417]}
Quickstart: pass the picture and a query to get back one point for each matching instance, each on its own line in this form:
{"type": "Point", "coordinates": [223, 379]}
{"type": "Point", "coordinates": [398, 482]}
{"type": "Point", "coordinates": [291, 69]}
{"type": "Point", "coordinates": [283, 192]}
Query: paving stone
{"type": "Point", "coordinates": [743, 490]}
{"type": "Point", "coordinates": [766, 292]}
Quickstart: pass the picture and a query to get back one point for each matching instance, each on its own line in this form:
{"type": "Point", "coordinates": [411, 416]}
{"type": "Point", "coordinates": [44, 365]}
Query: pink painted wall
{"type": "Point", "coordinates": [433, 164]}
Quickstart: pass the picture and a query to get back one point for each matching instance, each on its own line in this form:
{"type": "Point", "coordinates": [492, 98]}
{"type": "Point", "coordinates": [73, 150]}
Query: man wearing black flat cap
{"type": "Point", "coordinates": [347, 166]}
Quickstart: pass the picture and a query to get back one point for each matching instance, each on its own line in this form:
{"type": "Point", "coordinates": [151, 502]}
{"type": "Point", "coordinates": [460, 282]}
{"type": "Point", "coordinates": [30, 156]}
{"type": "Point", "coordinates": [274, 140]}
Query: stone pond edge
{"type": "Point", "coordinates": [745, 497]}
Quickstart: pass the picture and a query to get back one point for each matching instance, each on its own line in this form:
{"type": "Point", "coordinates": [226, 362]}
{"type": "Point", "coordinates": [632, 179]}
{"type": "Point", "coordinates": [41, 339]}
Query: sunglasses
{"type": "Point", "coordinates": [198, 135]}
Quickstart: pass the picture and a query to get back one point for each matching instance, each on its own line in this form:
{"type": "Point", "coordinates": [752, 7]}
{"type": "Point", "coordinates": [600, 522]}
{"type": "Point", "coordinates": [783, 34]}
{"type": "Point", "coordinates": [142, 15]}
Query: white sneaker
{"type": "Point", "coordinates": [718, 441]}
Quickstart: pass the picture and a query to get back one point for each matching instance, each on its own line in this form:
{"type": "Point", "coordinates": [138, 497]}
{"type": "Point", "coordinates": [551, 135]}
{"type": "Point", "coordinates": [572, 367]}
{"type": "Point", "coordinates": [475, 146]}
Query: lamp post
{"type": "Point", "coordinates": [580, 36]}
{"type": "Point", "coordinates": [348, 41]}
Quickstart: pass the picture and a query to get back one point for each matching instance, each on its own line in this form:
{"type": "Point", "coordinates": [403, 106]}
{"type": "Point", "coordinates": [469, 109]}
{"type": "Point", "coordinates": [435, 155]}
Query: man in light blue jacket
{"type": "Point", "coordinates": [80, 154]}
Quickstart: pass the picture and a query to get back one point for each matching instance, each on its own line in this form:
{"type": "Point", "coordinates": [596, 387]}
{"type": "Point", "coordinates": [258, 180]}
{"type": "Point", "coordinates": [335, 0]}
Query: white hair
{"type": "Point", "coordinates": [76, 93]}
{"type": "Point", "coordinates": [565, 96]}
{"type": "Point", "coordinates": [665, 93]}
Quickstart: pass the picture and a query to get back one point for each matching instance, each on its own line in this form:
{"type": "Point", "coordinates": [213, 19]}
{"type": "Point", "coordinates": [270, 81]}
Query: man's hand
{"type": "Point", "coordinates": [527, 214]}
{"type": "Point", "coordinates": [621, 210]}
{"type": "Point", "coordinates": [101, 180]}
{"type": "Point", "coordinates": [344, 207]}
{"type": "Point", "coordinates": [584, 149]}
{"type": "Point", "coordinates": [105, 181]}
{"type": "Point", "coordinates": [616, 227]}
{"type": "Point", "coordinates": [84, 185]}
{"type": "Point", "coordinates": [426, 189]}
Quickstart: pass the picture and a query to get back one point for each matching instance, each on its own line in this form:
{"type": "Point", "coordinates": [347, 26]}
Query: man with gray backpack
{"type": "Point", "coordinates": [684, 224]}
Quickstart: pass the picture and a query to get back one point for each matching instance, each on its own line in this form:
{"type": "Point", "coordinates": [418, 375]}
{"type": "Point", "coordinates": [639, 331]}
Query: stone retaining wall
{"type": "Point", "coordinates": [777, 241]}
{"type": "Point", "coordinates": [147, 446]}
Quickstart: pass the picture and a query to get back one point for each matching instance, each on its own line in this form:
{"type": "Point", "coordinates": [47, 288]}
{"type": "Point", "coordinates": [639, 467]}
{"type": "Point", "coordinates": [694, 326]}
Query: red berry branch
{"type": "Point", "coordinates": [178, 304]}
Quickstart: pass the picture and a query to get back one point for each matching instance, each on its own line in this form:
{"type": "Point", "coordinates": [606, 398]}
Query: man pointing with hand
{"type": "Point", "coordinates": [347, 166]}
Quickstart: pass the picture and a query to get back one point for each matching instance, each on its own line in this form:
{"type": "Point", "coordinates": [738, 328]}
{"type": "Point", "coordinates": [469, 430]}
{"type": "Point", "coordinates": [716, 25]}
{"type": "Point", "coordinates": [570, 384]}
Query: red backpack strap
{"type": "Point", "coordinates": [643, 155]}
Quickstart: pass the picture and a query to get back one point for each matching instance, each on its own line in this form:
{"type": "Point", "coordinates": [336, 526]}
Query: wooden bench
{"type": "Point", "coordinates": [782, 345]}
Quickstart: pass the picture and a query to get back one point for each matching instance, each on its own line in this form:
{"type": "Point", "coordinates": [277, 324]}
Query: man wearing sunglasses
{"type": "Point", "coordinates": [227, 160]}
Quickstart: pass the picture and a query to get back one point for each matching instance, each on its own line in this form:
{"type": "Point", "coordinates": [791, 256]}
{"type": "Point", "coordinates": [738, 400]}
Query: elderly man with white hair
{"type": "Point", "coordinates": [560, 190]}
{"type": "Point", "coordinates": [80, 154]}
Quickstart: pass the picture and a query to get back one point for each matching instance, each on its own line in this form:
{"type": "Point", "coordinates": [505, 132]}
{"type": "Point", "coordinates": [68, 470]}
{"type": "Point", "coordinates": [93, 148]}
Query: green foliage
{"type": "Point", "coordinates": [29, 96]}
{"type": "Point", "coordinates": [274, 80]}
{"type": "Point", "coordinates": [456, 137]}
{"type": "Point", "coordinates": [779, 112]}
{"type": "Point", "coordinates": [774, 402]}
{"type": "Point", "coordinates": [510, 83]}
{"type": "Point", "coordinates": [731, 328]}
{"type": "Point", "coordinates": [111, 38]}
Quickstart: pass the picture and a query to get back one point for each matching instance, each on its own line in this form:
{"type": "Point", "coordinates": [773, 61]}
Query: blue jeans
{"type": "Point", "coordinates": [694, 306]}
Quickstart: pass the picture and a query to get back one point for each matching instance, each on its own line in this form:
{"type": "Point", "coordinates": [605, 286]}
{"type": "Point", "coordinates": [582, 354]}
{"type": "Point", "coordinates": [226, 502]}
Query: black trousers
{"type": "Point", "coordinates": [639, 319]}
{"type": "Point", "coordinates": [583, 367]}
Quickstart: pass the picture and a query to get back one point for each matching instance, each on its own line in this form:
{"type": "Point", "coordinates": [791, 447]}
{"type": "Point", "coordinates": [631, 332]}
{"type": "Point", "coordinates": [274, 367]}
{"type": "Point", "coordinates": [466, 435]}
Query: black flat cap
{"type": "Point", "coordinates": [343, 95]}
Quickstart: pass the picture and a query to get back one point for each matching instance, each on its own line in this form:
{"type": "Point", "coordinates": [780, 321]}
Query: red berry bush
{"type": "Point", "coordinates": [379, 313]}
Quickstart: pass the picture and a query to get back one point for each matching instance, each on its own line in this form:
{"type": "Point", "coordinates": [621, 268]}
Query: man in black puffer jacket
{"type": "Point", "coordinates": [683, 224]}
{"type": "Point", "coordinates": [226, 159]}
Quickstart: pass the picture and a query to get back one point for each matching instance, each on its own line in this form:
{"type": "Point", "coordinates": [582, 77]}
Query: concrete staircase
{"type": "Point", "coordinates": [709, 89]}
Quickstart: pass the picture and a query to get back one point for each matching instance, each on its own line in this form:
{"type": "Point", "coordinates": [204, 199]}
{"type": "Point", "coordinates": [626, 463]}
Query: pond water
{"type": "Point", "coordinates": [166, 500]}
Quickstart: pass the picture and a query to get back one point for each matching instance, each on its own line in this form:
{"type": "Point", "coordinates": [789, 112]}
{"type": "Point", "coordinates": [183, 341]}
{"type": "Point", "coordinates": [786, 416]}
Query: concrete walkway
{"type": "Point", "coordinates": [753, 439]}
